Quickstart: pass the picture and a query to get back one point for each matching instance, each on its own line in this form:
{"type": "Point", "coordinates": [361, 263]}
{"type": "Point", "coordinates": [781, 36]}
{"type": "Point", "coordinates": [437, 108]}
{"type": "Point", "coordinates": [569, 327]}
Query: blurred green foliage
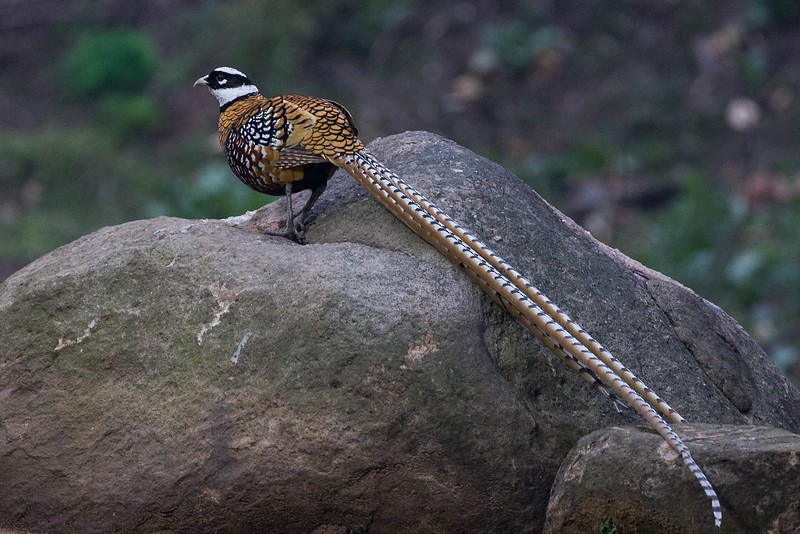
{"type": "Point", "coordinates": [52, 201]}
{"type": "Point", "coordinates": [556, 173]}
{"type": "Point", "coordinates": [746, 259]}
{"type": "Point", "coordinates": [109, 61]}
{"type": "Point", "coordinates": [215, 193]}
{"type": "Point", "coordinates": [518, 45]}
{"type": "Point", "coordinates": [127, 116]}
{"type": "Point", "coordinates": [608, 527]}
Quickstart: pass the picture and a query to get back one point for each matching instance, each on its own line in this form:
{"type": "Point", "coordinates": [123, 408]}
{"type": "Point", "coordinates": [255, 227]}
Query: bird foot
{"type": "Point", "coordinates": [294, 232]}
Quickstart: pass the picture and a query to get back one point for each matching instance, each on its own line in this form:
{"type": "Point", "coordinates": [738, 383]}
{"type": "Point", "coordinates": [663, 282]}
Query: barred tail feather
{"type": "Point", "coordinates": [526, 303]}
{"type": "Point", "coordinates": [424, 230]}
{"type": "Point", "coordinates": [534, 294]}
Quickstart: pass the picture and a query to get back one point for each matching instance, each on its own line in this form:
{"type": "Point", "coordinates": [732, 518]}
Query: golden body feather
{"type": "Point", "coordinates": [288, 139]}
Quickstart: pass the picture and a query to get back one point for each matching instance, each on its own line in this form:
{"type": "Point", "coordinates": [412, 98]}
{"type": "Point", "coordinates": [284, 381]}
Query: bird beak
{"type": "Point", "coordinates": [201, 81]}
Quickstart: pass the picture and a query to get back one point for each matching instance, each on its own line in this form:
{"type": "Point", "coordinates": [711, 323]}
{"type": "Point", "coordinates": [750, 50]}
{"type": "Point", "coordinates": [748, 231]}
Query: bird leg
{"type": "Point", "coordinates": [303, 215]}
{"type": "Point", "coordinates": [291, 232]}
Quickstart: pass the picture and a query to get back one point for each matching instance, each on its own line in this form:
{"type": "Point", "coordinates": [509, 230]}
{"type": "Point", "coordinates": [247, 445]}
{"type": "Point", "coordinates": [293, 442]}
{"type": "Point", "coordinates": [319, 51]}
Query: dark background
{"type": "Point", "coordinates": [669, 129]}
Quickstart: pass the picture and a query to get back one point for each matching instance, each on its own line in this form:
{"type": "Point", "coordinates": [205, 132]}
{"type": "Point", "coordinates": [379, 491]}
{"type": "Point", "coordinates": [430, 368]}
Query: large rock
{"type": "Point", "coordinates": [631, 478]}
{"type": "Point", "coordinates": [181, 375]}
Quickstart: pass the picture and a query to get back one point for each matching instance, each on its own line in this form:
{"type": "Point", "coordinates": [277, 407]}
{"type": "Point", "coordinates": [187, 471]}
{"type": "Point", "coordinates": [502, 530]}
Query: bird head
{"type": "Point", "coordinates": [227, 84]}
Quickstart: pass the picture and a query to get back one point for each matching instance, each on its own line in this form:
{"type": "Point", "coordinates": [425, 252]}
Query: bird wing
{"type": "Point", "coordinates": [296, 156]}
{"type": "Point", "coordinates": [301, 120]}
{"type": "Point", "coordinates": [327, 128]}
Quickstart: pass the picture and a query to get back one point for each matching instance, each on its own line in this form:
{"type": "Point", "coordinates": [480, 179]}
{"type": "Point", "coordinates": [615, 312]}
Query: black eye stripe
{"type": "Point", "coordinates": [226, 79]}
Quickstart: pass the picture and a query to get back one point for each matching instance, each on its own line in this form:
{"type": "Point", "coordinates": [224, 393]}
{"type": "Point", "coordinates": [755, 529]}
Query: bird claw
{"type": "Point", "coordinates": [294, 232]}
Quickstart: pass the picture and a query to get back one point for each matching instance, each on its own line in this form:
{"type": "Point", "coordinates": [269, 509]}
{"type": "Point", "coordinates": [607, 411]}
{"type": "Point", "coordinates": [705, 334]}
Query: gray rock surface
{"type": "Point", "coordinates": [630, 477]}
{"type": "Point", "coordinates": [179, 375]}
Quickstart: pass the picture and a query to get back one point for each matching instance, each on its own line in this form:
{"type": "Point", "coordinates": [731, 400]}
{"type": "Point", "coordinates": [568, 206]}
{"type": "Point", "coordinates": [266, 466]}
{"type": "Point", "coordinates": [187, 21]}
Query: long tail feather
{"type": "Point", "coordinates": [535, 295]}
{"type": "Point", "coordinates": [526, 303]}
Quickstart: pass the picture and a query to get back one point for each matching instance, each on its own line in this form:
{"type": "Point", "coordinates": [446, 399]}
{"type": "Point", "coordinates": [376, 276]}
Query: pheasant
{"type": "Point", "coordinates": [290, 143]}
{"type": "Point", "coordinates": [267, 141]}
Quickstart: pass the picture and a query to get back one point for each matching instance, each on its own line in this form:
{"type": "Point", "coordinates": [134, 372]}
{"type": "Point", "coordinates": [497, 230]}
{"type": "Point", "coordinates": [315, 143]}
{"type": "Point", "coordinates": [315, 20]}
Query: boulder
{"type": "Point", "coordinates": [183, 375]}
{"type": "Point", "coordinates": [630, 478]}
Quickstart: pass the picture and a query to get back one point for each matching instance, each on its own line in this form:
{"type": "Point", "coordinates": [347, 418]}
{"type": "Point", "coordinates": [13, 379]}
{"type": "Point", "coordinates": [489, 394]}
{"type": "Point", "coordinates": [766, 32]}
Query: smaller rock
{"type": "Point", "coordinates": [629, 477]}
